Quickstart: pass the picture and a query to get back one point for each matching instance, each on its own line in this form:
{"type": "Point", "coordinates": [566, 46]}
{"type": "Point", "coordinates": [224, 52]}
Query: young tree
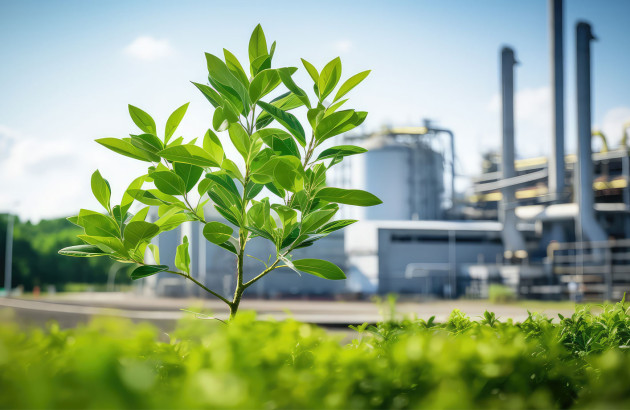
{"type": "Point", "coordinates": [281, 161]}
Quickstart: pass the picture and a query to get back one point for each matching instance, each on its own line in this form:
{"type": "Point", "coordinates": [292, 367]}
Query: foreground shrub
{"type": "Point", "coordinates": [461, 363]}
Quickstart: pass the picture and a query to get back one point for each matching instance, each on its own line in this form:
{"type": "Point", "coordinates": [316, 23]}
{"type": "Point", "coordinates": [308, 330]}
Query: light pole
{"type": "Point", "coordinates": [8, 256]}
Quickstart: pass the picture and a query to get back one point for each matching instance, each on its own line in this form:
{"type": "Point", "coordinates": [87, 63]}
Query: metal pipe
{"type": "Point", "coordinates": [428, 127]}
{"type": "Point", "coordinates": [587, 224]}
{"type": "Point", "coordinates": [512, 238]}
{"type": "Point", "coordinates": [556, 163]}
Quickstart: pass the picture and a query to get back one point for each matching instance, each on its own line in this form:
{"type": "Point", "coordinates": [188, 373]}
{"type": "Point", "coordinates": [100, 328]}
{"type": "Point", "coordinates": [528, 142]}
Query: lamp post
{"type": "Point", "coordinates": [8, 256]}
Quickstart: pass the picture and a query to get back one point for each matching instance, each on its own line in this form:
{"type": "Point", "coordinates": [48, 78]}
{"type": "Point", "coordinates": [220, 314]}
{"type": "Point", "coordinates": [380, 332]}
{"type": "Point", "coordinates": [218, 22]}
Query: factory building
{"type": "Point", "coordinates": [547, 227]}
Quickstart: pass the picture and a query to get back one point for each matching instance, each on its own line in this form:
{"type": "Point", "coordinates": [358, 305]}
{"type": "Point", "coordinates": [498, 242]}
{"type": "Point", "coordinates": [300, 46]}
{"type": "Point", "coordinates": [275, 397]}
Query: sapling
{"type": "Point", "coordinates": [280, 160]}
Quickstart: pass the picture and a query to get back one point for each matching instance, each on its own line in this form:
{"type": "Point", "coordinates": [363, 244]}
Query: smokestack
{"type": "Point", "coordinates": [512, 238]}
{"type": "Point", "coordinates": [583, 190]}
{"type": "Point", "coordinates": [556, 163]}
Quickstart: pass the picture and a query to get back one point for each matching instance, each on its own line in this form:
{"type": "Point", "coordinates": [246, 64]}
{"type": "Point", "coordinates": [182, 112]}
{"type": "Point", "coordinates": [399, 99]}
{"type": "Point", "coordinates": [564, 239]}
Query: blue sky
{"type": "Point", "coordinates": [70, 68]}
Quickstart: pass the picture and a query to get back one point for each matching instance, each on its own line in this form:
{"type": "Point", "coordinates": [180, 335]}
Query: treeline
{"type": "Point", "coordinates": [37, 263]}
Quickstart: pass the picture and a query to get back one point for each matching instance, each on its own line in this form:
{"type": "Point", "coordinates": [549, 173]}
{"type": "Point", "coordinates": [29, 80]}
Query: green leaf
{"type": "Point", "coordinates": [229, 246]}
{"type": "Point", "coordinates": [285, 76]}
{"type": "Point", "coordinates": [212, 145]}
{"type": "Point", "coordinates": [127, 149]}
{"type": "Point", "coordinates": [167, 198]}
{"type": "Point", "coordinates": [338, 123]}
{"type": "Point", "coordinates": [176, 142]}
{"type": "Point", "coordinates": [336, 225]}
{"type": "Point", "coordinates": [96, 224]}
{"type": "Point", "coordinates": [142, 120]}
{"type": "Point", "coordinates": [155, 251]}
{"type": "Point", "coordinates": [334, 107]}
{"type": "Point", "coordinates": [285, 102]}
{"type": "Point", "coordinates": [101, 190]}
{"type": "Point", "coordinates": [147, 142]}
{"type": "Point", "coordinates": [141, 215]}
{"type": "Point", "coordinates": [169, 182]}
{"type": "Point", "coordinates": [173, 122]}
{"type": "Point", "coordinates": [172, 221]}
{"type": "Point", "coordinates": [225, 182]}
{"type": "Point", "coordinates": [340, 151]}
{"type": "Point", "coordinates": [232, 169]}
{"type": "Point", "coordinates": [144, 197]}
{"type": "Point", "coordinates": [147, 270]}
{"type": "Point", "coordinates": [217, 232]}
{"type": "Point", "coordinates": [240, 139]}
{"type": "Point", "coordinates": [315, 115]}
{"type": "Point", "coordinates": [319, 267]}
{"type": "Point", "coordinates": [107, 244]}
{"type": "Point", "coordinates": [316, 219]}
{"type": "Point", "coordinates": [190, 174]}
{"type": "Point", "coordinates": [139, 231]}
{"type": "Point", "coordinates": [127, 199]}
{"type": "Point", "coordinates": [235, 67]}
{"type": "Point", "coordinates": [329, 77]}
{"type": "Point", "coordinates": [182, 257]}
{"type": "Point", "coordinates": [252, 189]}
{"type": "Point", "coordinates": [219, 73]}
{"type": "Point", "coordinates": [219, 122]}
{"type": "Point", "coordinates": [284, 171]}
{"type": "Point", "coordinates": [210, 94]}
{"type": "Point", "coordinates": [228, 215]}
{"type": "Point", "coordinates": [259, 64]}
{"type": "Point", "coordinates": [230, 112]}
{"type": "Point", "coordinates": [189, 154]}
{"type": "Point", "coordinates": [118, 216]}
{"type": "Point", "coordinates": [348, 196]}
{"type": "Point", "coordinates": [327, 125]}
{"type": "Point", "coordinates": [351, 83]}
{"type": "Point", "coordinates": [264, 83]}
{"type": "Point", "coordinates": [312, 71]}
{"type": "Point", "coordinates": [84, 251]}
{"type": "Point", "coordinates": [257, 46]}
{"type": "Point", "coordinates": [288, 120]}
{"type": "Point", "coordinates": [279, 141]}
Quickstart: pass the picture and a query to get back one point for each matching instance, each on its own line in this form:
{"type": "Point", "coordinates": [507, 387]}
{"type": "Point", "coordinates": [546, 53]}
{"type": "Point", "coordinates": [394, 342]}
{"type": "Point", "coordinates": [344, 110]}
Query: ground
{"type": "Point", "coordinates": [72, 308]}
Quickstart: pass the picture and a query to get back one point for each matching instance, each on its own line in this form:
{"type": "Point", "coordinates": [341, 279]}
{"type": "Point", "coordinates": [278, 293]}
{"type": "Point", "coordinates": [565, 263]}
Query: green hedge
{"type": "Point", "coordinates": [580, 361]}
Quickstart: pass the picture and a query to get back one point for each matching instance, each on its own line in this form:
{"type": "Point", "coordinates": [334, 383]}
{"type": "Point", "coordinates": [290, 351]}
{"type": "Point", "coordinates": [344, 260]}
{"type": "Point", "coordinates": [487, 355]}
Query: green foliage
{"type": "Point", "coordinates": [37, 263]}
{"type": "Point", "coordinates": [501, 294]}
{"type": "Point", "coordinates": [277, 192]}
{"type": "Point", "coordinates": [250, 364]}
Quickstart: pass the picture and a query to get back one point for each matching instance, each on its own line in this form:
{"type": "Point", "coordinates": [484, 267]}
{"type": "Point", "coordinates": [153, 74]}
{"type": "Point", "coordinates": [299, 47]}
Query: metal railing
{"type": "Point", "coordinates": [593, 271]}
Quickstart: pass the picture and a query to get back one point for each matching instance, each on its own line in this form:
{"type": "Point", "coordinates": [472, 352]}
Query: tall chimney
{"type": "Point", "coordinates": [512, 238]}
{"type": "Point", "coordinates": [556, 163]}
{"type": "Point", "coordinates": [583, 191]}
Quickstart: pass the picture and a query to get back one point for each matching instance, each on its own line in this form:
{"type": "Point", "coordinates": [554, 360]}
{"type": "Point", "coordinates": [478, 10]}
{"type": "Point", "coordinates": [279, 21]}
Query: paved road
{"type": "Point", "coordinates": [71, 309]}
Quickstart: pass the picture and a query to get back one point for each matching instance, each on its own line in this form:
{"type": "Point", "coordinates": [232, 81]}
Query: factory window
{"type": "Point", "coordinates": [408, 238]}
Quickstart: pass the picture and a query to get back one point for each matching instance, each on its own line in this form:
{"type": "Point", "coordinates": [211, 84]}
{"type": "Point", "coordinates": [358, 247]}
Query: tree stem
{"type": "Point", "coordinates": [240, 288]}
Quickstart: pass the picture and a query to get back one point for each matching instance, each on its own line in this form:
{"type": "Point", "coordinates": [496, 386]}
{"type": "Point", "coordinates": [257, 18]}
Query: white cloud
{"type": "Point", "coordinates": [613, 122]}
{"type": "Point", "coordinates": [148, 48]}
{"type": "Point", "coordinates": [50, 178]}
{"type": "Point", "coordinates": [343, 46]}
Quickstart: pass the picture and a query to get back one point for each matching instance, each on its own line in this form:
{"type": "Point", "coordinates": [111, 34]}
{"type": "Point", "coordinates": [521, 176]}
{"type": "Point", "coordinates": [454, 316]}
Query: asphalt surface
{"type": "Point", "coordinates": [71, 309]}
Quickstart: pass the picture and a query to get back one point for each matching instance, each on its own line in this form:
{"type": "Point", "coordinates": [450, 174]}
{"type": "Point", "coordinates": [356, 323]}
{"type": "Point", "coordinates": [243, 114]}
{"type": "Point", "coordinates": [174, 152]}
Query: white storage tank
{"type": "Point", "coordinates": [407, 173]}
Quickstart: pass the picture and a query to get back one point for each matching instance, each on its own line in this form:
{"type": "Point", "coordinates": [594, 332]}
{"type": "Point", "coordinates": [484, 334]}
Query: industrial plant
{"type": "Point", "coordinates": [548, 228]}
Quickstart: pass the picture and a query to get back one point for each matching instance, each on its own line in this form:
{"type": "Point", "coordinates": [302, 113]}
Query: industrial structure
{"type": "Point", "coordinates": [547, 227]}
